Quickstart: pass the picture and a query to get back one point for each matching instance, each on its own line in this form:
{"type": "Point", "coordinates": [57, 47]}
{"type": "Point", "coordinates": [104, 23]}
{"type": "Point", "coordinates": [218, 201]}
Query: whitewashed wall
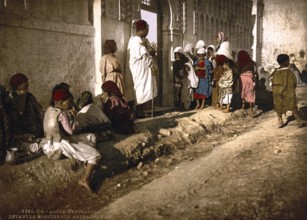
{"type": "Point", "coordinates": [285, 31]}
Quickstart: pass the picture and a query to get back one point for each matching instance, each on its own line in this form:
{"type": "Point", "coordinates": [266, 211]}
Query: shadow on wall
{"type": "Point", "coordinates": [303, 75]}
{"type": "Point", "coordinates": [303, 112]}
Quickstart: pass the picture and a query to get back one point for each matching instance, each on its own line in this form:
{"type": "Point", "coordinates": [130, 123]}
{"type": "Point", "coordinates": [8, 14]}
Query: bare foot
{"type": "Point", "coordinates": [225, 111]}
{"type": "Point", "coordinates": [197, 107]}
{"type": "Point", "coordinates": [281, 124]}
{"type": "Point", "coordinates": [201, 107]}
{"type": "Point", "coordinates": [85, 184]}
{"type": "Point", "coordinates": [250, 112]}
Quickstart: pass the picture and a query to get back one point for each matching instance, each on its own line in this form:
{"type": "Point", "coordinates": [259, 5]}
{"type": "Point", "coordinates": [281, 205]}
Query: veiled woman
{"type": "Point", "coordinates": [223, 45]}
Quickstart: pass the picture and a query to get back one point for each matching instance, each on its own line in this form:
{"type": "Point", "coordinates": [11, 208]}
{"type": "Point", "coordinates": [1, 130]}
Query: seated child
{"type": "Point", "coordinates": [283, 88]}
{"type": "Point", "coordinates": [91, 118]}
{"type": "Point", "coordinates": [59, 134]}
{"type": "Point", "coordinates": [62, 85]}
{"type": "Point", "coordinates": [117, 109]}
{"type": "Point", "coordinates": [26, 113]}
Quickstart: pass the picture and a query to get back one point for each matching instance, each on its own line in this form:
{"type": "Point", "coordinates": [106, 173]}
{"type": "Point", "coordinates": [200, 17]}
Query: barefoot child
{"type": "Point", "coordinates": [59, 133]}
{"type": "Point", "coordinates": [225, 84]}
{"type": "Point", "coordinates": [246, 67]}
{"type": "Point", "coordinates": [203, 69]}
{"type": "Point", "coordinates": [283, 86]}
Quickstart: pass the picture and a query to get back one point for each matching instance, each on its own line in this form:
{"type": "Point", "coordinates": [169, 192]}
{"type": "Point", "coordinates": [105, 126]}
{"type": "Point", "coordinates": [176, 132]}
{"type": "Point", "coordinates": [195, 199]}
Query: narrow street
{"type": "Point", "coordinates": [178, 162]}
{"type": "Point", "coordinates": [242, 168]}
{"type": "Point", "coordinates": [253, 170]}
{"type": "Point", "coordinates": [260, 174]}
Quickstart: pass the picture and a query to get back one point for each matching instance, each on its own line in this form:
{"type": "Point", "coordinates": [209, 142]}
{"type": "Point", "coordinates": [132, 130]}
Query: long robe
{"type": "Point", "coordinates": [111, 70]}
{"type": "Point", "coordinates": [248, 87]}
{"type": "Point", "coordinates": [203, 90]}
{"type": "Point", "coordinates": [283, 87]}
{"type": "Point", "coordinates": [183, 91]}
{"type": "Point", "coordinates": [217, 73]}
{"type": "Point", "coordinates": [140, 65]}
{"type": "Point", "coordinates": [26, 114]}
{"type": "Point", "coordinates": [120, 115]}
{"type": "Point", "coordinates": [225, 84]}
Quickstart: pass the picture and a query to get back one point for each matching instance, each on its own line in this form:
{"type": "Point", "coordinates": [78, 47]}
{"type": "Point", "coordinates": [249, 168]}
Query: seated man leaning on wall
{"type": "Point", "coordinates": [26, 113]}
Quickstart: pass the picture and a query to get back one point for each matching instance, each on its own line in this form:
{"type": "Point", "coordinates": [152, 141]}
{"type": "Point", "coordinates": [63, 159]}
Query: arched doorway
{"type": "Point", "coordinates": [157, 14]}
{"type": "Point", "coordinates": [149, 13]}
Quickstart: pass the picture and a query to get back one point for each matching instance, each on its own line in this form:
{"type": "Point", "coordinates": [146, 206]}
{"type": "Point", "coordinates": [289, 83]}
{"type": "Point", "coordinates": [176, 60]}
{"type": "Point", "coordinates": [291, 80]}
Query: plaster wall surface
{"type": "Point", "coordinates": [47, 58]}
{"type": "Point", "coordinates": [118, 31]}
{"type": "Point", "coordinates": [284, 31]}
{"type": "Point", "coordinates": [48, 47]}
{"type": "Point", "coordinates": [189, 34]}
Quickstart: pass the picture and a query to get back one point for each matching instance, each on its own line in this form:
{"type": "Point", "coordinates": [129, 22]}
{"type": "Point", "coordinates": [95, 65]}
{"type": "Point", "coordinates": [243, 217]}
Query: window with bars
{"type": "Point", "coordinates": [149, 5]}
{"type": "Point", "coordinates": [146, 2]}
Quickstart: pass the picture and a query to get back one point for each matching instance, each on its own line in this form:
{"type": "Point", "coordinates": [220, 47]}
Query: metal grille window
{"type": "Point", "coordinates": [149, 5]}
{"type": "Point", "coordinates": [146, 2]}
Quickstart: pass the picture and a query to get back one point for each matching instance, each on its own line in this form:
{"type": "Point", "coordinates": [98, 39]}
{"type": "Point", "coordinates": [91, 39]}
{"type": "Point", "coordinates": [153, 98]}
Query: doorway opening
{"type": "Point", "coordinates": [149, 13]}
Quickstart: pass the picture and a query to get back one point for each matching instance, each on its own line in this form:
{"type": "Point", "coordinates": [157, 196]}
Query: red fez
{"type": "Point", "coordinates": [220, 59]}
{"type": "Point", "coordinates": [140, 25]}
{"type": "Point", "coordinates": [17, 79]}
{"type": "Point", "coordinates": [61, 95]}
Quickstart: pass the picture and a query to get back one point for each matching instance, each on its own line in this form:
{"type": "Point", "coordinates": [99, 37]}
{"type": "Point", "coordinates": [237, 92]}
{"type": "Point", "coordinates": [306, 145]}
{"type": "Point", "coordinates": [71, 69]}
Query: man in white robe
{"type": "Point", "coordinates": [142, 67]}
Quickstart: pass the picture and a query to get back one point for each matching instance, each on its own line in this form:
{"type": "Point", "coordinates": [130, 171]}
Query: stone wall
{"type": "Point", "coordinates": [233, 17]}
{"type": "Point", "coordinates": [50, 42]}
{"type": "Point", "coordinates": [284, 31]}
{"type": "Point", "coordinates": [53, 41]}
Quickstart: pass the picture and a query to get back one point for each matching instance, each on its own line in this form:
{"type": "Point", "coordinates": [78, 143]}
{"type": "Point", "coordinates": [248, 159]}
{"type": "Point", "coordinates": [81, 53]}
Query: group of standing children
{"type": "Point", "coordinates": [213, 73]}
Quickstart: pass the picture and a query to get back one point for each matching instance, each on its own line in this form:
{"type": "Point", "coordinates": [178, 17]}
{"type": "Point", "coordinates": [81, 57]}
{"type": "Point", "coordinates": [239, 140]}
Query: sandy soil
{"type": "Point", "coordinates": [203, 165]}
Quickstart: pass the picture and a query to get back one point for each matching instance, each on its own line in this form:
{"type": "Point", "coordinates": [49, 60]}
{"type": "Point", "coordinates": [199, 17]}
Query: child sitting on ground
{"type": "Point", "coordinates": [283, 87]}
{"type": "Point", "coordinates": [117, 109]}
{"type": "Point", "coordinates": [60, 139]}
{"type": "Point", "coordinates": [92, 119]}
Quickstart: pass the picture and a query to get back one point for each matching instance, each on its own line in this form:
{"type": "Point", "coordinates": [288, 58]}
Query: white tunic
{"type": "Point", "coordinates": [140, 61]}
{"type": "Point", "coordinates": [80, 147]}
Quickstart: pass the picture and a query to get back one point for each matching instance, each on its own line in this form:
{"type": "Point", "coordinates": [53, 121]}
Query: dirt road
{"type": "Point", "coordinates": [261, 174]}
{"type": "Point", "coordinates": [245, 169]}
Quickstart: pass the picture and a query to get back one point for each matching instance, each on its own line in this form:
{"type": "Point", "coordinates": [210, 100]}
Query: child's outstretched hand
{"type": "Point", "coordinates": [73, 112]}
